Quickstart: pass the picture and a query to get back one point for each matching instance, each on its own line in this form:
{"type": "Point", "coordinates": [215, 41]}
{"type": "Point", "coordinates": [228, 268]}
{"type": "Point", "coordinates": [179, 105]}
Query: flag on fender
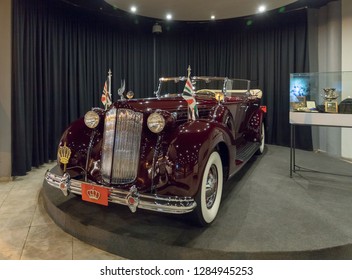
{"type": "Point", "coordinates": [188, 95]}
{"type": "Point", "coordinates": [106, 96]}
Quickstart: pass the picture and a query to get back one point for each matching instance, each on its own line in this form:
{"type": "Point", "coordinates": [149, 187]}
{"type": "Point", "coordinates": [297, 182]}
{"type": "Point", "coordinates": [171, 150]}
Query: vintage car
{"type": "Point", "coordinates": [152, 153]}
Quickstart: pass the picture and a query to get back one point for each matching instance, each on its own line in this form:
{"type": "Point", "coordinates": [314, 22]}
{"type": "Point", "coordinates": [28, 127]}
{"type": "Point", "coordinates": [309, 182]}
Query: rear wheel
{"type": "Point", "coordinates": [209, 195]}
{"type": "Point", "coordinates": [262, 142]}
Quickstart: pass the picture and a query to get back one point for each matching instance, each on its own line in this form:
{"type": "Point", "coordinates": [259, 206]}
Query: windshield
{"type": "Point", "coordinates": [171, 86]}
{"type": "Point", "coordinates": [176, 85]}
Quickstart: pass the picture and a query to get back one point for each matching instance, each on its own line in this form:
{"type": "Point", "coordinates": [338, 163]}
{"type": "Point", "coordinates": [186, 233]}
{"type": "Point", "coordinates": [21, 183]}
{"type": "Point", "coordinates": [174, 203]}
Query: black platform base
{"type": "Point", "coordinates": [265, 214]}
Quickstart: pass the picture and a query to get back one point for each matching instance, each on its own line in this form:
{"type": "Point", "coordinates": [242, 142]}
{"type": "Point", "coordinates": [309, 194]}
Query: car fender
{"type": "Point", "coordinates": [84, 143]}
{"type": "Point", "coordinates": [190, 148]}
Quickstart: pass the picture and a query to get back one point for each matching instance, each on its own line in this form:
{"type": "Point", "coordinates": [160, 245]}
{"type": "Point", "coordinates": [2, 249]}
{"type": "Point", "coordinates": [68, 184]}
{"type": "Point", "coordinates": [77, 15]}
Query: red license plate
{"type": "Point", "coordinates": [95, 194]}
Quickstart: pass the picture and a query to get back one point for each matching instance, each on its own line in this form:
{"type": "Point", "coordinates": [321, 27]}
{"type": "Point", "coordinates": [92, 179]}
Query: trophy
{"type": "Point", "coordinates": [330, 94]}
{"type": "Point", "coordinates": [330, 97]}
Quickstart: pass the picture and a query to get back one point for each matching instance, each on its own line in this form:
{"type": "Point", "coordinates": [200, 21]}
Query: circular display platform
{"type": "Point", "coordinates": [264, 214]}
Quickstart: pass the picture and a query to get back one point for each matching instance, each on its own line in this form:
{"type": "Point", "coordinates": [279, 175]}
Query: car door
{"type": "Point", "coordinates": [237, 104]}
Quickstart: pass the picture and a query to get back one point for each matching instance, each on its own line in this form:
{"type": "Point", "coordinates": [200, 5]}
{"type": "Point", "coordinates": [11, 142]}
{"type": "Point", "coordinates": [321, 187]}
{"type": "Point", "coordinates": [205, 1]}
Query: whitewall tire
{"type": "Point", "coordinates": [262, 142]}
{"type": "Point", "coordinates": [209, 196]}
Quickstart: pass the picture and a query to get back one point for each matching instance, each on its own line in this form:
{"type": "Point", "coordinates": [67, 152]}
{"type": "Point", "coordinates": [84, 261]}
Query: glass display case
{"type": "Point", "coordinates": [323, 92]}
{"type": "Point", "coordinates": [320, 99]}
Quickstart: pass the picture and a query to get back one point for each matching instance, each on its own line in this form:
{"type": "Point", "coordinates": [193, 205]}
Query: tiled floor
{"type": "Point", "coordinates": [26, 230]}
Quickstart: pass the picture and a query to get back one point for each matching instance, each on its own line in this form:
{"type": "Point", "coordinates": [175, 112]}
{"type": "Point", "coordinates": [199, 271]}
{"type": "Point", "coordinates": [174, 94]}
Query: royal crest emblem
{"type": "Point", "coordinates": [93, 194]}
{"type": "Point", "coordinates": [64, 154]}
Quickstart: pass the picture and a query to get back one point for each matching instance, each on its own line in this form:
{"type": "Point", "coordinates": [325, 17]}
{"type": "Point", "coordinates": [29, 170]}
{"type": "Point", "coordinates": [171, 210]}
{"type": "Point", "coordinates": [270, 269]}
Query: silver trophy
{"type": "Point", "coordinates": [330, 94]}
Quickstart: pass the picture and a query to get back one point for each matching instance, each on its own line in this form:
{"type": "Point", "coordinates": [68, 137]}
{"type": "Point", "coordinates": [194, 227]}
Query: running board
{"type": "Point", "coordinates": [245, 152]}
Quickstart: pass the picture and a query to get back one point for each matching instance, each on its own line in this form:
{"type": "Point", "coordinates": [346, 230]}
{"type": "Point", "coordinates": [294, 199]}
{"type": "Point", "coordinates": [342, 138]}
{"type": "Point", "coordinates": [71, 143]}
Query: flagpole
{"type": "Point", "coordinates": [109, 92]}
{"type": "Point", "coordinates": [189, 70]}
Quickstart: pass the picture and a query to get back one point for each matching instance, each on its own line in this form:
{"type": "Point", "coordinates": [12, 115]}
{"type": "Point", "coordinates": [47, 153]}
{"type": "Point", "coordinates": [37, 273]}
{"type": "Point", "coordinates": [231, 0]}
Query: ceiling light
{"type": "Point", "coordinates": [133, 9]}
{"type": "Point", "coordinates": [212, 17]}
{"type": "Point", "coordinates": [169, 16]}
{"type": "Point", "coordinates": [262, 9]}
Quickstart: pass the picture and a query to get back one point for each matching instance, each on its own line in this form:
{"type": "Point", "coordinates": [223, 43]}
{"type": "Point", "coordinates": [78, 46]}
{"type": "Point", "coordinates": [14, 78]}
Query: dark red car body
{"type": "Point", "coordinates": [164, 170]}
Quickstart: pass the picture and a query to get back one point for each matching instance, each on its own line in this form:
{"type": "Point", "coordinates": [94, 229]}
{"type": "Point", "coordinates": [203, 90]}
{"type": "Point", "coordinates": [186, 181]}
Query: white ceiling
{"type": "Point", "coordinates": [197, 10]}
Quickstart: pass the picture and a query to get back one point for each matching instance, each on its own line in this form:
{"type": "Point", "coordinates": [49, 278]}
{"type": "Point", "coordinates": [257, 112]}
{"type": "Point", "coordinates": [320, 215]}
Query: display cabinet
{"type": "Point", "coordinates": [328, 92]}
{"type": "Point", "coordinates": [321, 99]}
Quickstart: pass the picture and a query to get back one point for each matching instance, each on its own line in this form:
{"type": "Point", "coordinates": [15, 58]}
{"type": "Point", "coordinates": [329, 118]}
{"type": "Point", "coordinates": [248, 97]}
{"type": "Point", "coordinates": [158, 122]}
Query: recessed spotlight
{"type": "Point", "coordinates": [133, 9]}
{"type": "Point", "coordinates": [169, 16]}
{"type": "Point", "coordinates": [212, 17]}
{"type": "Point", "coordinates": [262, 9]}
{"type": "Point", "coordinates": [282, 10]}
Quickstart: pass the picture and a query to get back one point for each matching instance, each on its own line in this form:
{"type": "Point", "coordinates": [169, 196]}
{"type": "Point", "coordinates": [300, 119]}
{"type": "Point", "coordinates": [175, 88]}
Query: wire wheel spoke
{"type": "Point", "coordinates": [211, 186]}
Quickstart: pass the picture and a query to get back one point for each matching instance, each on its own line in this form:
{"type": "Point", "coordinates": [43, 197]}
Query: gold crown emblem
{"type": "Point", "coordinates": [63, 155]}
{"type": "Point", "coordinates": [93, 194]}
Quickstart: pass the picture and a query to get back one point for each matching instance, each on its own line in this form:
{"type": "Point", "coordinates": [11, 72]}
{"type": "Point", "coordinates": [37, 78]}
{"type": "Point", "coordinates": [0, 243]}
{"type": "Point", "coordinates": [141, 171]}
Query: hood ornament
{"type": "Point", "coordinates": [121, 90]}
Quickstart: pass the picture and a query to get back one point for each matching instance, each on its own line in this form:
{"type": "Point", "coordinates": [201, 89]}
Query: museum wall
{"type": "Point", "coordinates": [346, 147]}
{"type": "Point", "coordinates": [330, 34]}
{"type": "Point", "coordinates": [329, 60]}
{"type": "Point", "coordinates": [5, 90]}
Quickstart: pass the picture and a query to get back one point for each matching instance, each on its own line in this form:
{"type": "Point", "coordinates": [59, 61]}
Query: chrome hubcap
{"type": "Point", "coordinates": [211, 186]}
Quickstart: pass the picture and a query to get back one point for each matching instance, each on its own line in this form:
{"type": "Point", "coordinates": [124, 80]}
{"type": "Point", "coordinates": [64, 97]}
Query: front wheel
{"type": "Point", "coordinates": [209, 195]}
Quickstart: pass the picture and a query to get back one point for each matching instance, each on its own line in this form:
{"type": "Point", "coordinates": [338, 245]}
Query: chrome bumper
{"type": "Point", "coordinates": [132, 198]}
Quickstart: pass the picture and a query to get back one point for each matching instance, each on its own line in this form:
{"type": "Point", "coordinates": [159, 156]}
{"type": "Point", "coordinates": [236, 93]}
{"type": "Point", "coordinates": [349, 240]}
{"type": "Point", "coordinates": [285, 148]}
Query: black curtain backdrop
{"type": "Point", "coordinates": [61, 56]}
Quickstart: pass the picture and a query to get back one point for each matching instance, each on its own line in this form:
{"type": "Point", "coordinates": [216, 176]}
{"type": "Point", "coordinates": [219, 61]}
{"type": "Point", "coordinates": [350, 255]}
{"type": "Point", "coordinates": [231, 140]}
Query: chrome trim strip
{"type": "Point", "coordinates": [158, 203]}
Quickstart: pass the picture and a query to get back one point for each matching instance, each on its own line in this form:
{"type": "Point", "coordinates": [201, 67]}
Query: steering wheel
{"type": "Point", "coordinates": [206, 92]}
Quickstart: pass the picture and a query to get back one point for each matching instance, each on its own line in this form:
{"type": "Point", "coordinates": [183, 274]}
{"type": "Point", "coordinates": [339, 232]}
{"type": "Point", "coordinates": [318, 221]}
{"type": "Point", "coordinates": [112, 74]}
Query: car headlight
{"type": "Point", "coordinates": [91, 119]}
{"type": "Point", "coordinates": [156, 122]}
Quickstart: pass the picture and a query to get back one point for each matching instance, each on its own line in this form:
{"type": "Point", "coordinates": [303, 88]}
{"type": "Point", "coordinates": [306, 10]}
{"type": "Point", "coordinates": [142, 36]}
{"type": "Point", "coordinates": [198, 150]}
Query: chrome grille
{"type": "Point", "coordinates": [121, 146]}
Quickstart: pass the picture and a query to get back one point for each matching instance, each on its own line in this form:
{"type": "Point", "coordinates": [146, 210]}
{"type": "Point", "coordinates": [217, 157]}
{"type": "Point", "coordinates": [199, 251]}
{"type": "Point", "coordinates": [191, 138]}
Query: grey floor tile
{"type": "Point", "coordinates": [53, 249]}
{"type": "Point", "coordinates": [18, 206]}
{"type": "Point", "coordinates": [84, 251]}
{"type": "Point", "coordinates": [26, 230]}
{"type": "Point", "coordinates": [5, 189]}
{"type": "Point", "coordinates": [3, 197]}
{"type": "Point", "coordinates": [11, 255]}
{"type": "Point", "coordinates": [28, 183]}
{"type": "Point", "coordinates": [48, 232]}
{"type": "Point", "coordinates": [13, 220]}
{"type": "Point", "coordinates": [12, 239]}
{"type": "Point", "coordinates": [41, 217]}
{"type": "Point", "coordinates": [18, 197]}
{"type": "Point", "coordinates": [31, 188]}
{"type": "Point", "coordinates": [6, 185]}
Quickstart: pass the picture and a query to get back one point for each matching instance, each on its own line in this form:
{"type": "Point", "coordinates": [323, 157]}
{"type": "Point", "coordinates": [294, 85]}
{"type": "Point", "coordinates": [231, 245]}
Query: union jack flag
{"type": "Point", "coordinates": [106, 96]}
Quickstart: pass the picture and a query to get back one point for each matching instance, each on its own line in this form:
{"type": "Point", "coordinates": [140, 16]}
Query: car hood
{"type": "Point", "coordinates": [171, 104]}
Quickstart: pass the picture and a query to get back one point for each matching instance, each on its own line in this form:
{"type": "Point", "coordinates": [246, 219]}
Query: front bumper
{"type": "Point", "coordinates": [132, 198]}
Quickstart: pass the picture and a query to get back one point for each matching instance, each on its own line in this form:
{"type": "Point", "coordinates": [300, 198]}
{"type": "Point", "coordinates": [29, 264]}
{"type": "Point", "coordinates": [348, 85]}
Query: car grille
{"type": "Point", "coordinates": [121, 145]}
